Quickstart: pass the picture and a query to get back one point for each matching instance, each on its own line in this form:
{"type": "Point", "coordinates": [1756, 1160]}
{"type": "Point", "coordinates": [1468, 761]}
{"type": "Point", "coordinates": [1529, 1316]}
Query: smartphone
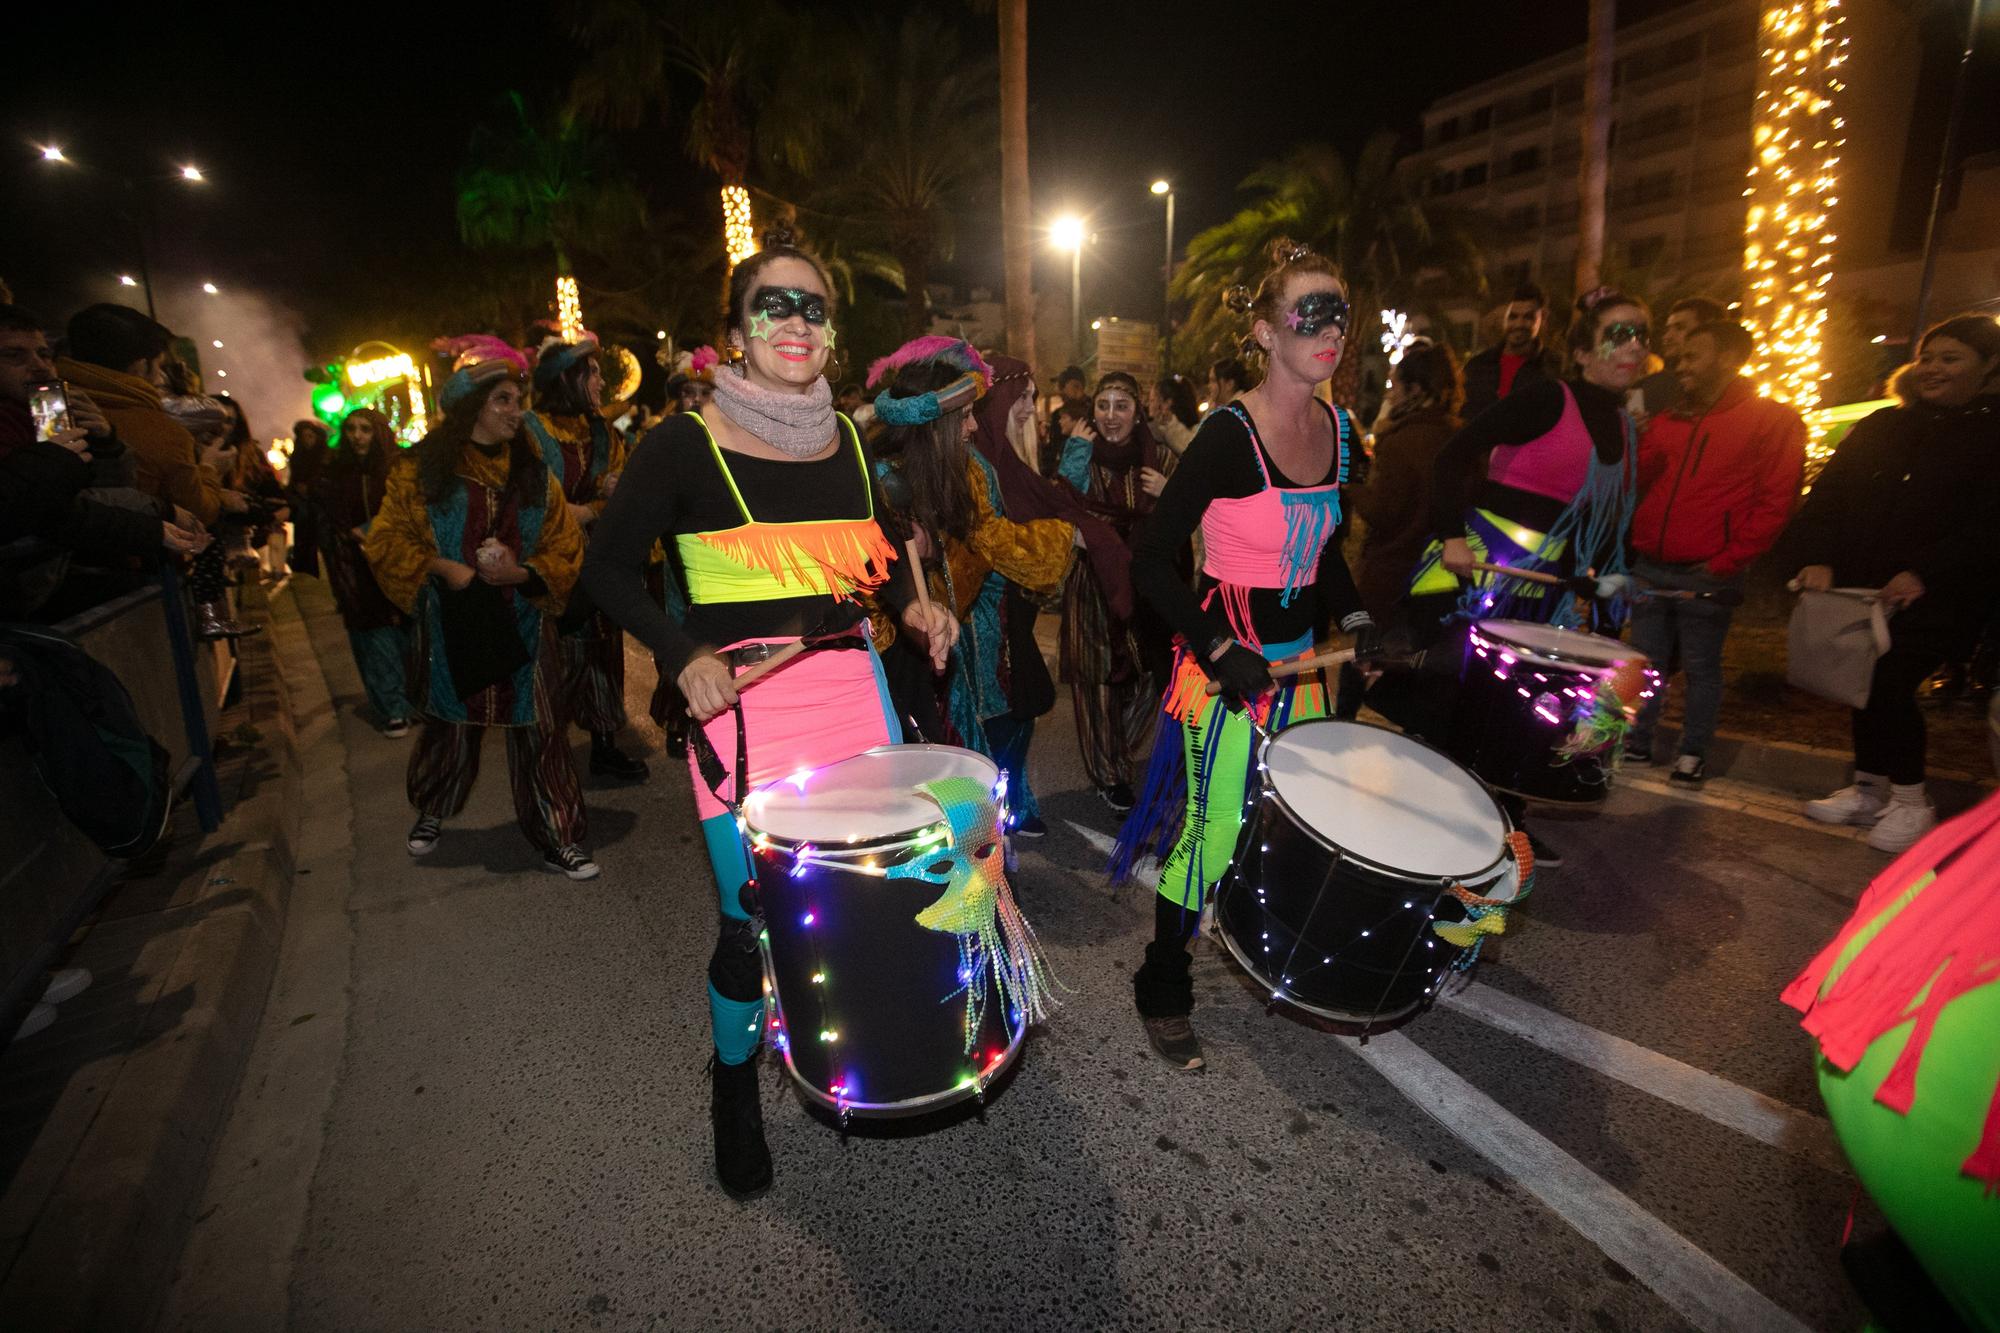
{"type": "Point", "coordinates": [49, 405]}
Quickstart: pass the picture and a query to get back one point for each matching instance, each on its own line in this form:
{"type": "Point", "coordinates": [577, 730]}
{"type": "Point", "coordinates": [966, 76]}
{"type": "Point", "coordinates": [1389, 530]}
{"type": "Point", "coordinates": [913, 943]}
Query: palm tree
{"type": "Point", "coordinates": [913, 153]}
{"type": "Point", "coordinates": [1595, 164]}
{"type": "Point", "coordinates": [708, 68]}
{"type": "Point", "coordinates": [531, 186]}
{"type": "Point", "coordinates": [1016, 240]}
{"type": "Point", "coordinates": [1391, 245]}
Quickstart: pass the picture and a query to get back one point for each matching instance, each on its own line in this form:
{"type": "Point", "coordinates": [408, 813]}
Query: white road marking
{"type": "Point", "coordinates": [1104, 844]}
{"type": "Point", "coordinates": [1763, 1118]}
{"type": "Point", "coordinates": [1686, 1277]}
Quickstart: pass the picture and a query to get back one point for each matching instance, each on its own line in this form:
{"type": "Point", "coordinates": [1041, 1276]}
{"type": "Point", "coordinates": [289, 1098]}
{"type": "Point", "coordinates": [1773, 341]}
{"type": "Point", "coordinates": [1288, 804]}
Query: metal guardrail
{"type": "Point", "coordinates": [51, 876]}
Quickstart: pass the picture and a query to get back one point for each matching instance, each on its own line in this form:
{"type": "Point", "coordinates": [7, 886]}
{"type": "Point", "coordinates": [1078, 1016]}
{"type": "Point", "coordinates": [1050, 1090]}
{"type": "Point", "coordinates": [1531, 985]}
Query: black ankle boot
{"type": "Point", "coordinates": [742, 1159]}
{"type": "Point", "coordinates": [607, 760]}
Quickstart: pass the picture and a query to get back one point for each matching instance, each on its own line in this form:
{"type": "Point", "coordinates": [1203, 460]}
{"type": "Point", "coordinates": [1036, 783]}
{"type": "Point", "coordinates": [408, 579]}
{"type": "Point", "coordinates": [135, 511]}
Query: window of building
{"type": "Point", "coordinates": [1522, 217]}
{"type": "Point", "coordinates": [1540, 100]}
{"type": "Point", "coordinates": [1444, 183]}
{"type": "Point", "coordinates": [1733, 36]}
{"type": "Point", "coordinates": [1651, 187]}
{"type": "Point", "coordinates": [1472, 175]}
{"type": "Point", "coordinates": [1523, 160]}
{"type": "Point", "coordinates": [1446, 130]}
{"type": "Point", "coordinates": [1482, 119]}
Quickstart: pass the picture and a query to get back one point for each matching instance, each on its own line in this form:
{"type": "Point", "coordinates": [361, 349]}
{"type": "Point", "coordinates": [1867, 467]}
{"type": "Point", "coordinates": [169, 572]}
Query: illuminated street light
{"type": "Point", "coordinates": [1161, 187]}
{"type": "Point", "coordinates": [51, 153]}
{"type": "Point", "coordinates": [215, 343]}
{"type": "Point", "coordinates": [209, 287]}
{"type": "Point", "coordinates": [191, 173]}
{"type": "Point", "coordinates": [1067, 233]}
{"type": "Point", "coordinates": [1096, 324]}
{"type": "Point", "coordinates": [1164, 189]}
{"type": "Point", "coordinates": [661, 335]}
{"type": "Point", "coordinates": [222, 374]}
{"type": "Point", "coordinates": [127, 280]}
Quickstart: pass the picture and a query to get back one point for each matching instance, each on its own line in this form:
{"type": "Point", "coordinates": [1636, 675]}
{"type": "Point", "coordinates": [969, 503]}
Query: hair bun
{"type": "Point", "coordinates": [1238, 298]}
{"type": "Point", "coordinates": [1285, 250]}
{"type": "Point", "coordinates": [779, 236]}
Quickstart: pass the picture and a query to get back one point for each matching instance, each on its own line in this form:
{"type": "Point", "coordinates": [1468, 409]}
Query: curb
{"type": "Point", "coordinates": [102, 1208]}
{"type": "Point", "coordinates": [1805, 771]}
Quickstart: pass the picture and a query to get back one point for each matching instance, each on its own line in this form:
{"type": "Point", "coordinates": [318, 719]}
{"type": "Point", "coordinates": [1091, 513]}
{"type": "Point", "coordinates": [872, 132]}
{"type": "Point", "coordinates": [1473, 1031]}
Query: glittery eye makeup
{"type": "Point", "coordinates": [1615, 336]}
{"type": "Point", "coordinates": [1315, 311]}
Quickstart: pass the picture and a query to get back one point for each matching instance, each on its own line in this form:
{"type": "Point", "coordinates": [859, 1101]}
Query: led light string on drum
{"type": "Point", "coordinates": [1601, 714]}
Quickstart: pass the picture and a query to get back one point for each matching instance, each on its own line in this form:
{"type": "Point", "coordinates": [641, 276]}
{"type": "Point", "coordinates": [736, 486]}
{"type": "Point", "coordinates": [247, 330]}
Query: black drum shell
{"type": "Point", "coordinates": [1496, 733]}
{"type": "Point", "coordinates": [891, 992]}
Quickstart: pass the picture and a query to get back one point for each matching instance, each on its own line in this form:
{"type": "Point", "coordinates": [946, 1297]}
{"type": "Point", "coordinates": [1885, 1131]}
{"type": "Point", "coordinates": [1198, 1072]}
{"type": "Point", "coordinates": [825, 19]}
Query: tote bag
{"type": "Point", "coordinates": [1835, 638]}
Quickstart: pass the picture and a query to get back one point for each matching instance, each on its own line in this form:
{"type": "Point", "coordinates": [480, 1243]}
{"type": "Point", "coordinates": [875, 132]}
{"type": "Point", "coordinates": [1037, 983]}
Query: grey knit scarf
{"type": "Point", "coordinates": [799, 424]}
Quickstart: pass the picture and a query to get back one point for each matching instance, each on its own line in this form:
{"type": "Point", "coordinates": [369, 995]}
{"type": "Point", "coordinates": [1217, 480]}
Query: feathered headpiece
{"type": "Point", "coordinates": [477, 359]}
{"type": "Point", "coordinates": [698, 364]}
{"type": "Point", "coordinates": [923, 408]}
{"type": "Point", "coordinates": [555, 356]}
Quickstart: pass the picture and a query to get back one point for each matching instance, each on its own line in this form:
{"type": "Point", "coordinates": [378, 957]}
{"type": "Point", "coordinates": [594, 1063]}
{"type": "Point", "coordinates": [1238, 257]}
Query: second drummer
{"type": "Point", "coordinates": [768, 498]}
{"type": "Point", "coordinates": [1262, 480]}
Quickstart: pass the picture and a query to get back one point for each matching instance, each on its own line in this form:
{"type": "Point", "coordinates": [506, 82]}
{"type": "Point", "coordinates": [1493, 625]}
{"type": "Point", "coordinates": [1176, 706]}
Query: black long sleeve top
{"type": "Point", "coordinates": [1219, 464]}
{"type": "Point", "coordinates": [1528, 413]}
{"type": "Point", "coordinates": [671, 485]}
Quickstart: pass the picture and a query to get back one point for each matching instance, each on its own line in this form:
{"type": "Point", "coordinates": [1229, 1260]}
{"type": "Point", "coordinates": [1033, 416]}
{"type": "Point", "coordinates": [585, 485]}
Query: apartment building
{"type": "Point", "coordinates": [1684, 90]}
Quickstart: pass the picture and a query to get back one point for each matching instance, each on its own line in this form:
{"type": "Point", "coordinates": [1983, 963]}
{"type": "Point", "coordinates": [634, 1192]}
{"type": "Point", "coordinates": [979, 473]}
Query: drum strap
{"type": "Point", "coordinates": [710, 763]}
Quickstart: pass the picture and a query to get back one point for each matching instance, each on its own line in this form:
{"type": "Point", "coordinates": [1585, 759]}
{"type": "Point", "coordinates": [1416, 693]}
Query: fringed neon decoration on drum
{"type": "Point", "coordinates": [887, 996]}
{"type": "Point", "coordinates": [1543, 712]}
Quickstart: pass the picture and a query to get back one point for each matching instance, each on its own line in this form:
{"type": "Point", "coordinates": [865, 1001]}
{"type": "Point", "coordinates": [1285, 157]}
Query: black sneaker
{"type": "Point", "coordinates": [1031, 827]}
{"type": "Point", "coordinates": [572, 861]}
{"type": "Point", "coordinates": [1638, 751]}
{"type": "Point", "coordinates": [1175, 1041]}
{"type": "Point", "coordinates": [742, 1158]}
{"type": "Point", "coordinates": [1118, 796]}
{"type": "Point", "coordinates": [1546, 857]}
{"type": "Point", "coordinates": [608, 761]}
{"type": "Point", "coordinates": [1689, 771]}
{"type": "Point", "coordinates": [424, 835]}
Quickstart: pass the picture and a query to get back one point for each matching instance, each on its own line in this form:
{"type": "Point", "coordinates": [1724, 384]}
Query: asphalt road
{"type": "Point", "coordinates": [503, 1121]}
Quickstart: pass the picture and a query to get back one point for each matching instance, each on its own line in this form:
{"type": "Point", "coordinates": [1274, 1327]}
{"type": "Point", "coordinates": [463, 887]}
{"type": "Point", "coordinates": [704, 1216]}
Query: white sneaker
{"type": "Point", "coordinates": [66, 985]}
{"type": "Point", "coordinates": [38, 1018]}
{"type": "Point", "coordinates": [1901, 825]}
{"type": "Point", "coordinates": [1849, 805]}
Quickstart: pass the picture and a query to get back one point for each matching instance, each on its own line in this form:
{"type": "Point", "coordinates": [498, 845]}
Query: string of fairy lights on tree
{"type": "Point", "coordinates": [738, 236]}
{"type": "Point", "coordinates": [569, 309]}
{"type": "Point", "coordinates": [1788, 241]}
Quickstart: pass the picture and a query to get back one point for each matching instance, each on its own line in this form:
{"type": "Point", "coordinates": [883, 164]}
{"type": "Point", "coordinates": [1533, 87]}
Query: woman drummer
{"type": "Point", "coordinates": [768, 498]}
{"type": "Point", "coordinates": [1261, 479]}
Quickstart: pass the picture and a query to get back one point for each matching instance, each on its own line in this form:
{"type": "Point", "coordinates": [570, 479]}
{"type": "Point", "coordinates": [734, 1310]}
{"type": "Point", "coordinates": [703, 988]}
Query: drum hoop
{"type": "Point", "coordinates": [1556, 658]}
{"type": "Point", "coordinates": [839, 848]}
{"type": "Point", "coordinates": [1494, 869]}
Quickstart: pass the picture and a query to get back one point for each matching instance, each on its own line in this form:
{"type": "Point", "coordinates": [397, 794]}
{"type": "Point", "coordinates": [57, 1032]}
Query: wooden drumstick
{"type": "Point", "coordinates": [1297, 666]}
{"type": "Point", "coordinates": [923, 594]}
{"type": "Point", "coordinates": [1538, 576]}
{"type": "Point", "coordinates": [759, 670]}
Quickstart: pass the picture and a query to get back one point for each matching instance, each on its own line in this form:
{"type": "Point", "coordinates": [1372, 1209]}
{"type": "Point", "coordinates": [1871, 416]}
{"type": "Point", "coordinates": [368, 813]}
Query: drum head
{"type": "Point", "coordinates": [1560, 647]}
{"type": "Point", "coordinates": [1386, 797]}
{"type": "Point", "coordinates": [864, 799]}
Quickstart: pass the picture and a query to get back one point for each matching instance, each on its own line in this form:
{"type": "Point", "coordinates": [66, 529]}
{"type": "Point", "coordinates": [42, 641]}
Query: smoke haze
{"type": "Point", "coordinates": [262, 357]}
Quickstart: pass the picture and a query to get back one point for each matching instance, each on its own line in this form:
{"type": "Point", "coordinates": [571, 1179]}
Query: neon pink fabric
{"type": "Point", "coordinates": [814, 710]}
{"type": "Point", "coordinates": [1249, 541]}
{"type": "Point", "coordinates": [1556, 464]}
{"type": "Point", "coordinates": [1944, 943]}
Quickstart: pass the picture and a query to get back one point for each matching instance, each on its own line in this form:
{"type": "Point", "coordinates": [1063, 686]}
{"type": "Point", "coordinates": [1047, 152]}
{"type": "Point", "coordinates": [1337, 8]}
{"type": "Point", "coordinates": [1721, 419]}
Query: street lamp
{"type": "Point", "coordinates": [127, 280]}
{"type": "Point", "coordinates": [192, 173]}
{"type": "Point", "coordinates": [1166, 188]}
{"type": "Point", "coordinates": [209, 287]}
{"type": "Point", "coordinates": [51, 153]}
{"type": "Point", "coordinates": [1067, 233]}
{"type": "Point", "coordinates": [139, 192]}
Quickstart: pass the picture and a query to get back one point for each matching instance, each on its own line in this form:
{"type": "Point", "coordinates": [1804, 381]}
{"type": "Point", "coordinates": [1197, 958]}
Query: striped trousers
{"type": "Point", "coordinates": [548, 800]}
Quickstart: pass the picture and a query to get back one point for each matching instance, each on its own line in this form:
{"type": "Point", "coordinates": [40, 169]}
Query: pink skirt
{"type": "Point", "coordinates": [814, 710]}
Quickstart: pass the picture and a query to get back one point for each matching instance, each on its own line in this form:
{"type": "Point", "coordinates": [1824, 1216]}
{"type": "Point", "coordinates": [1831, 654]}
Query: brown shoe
{"type": "Point", "coordinates": [1174, 1039]}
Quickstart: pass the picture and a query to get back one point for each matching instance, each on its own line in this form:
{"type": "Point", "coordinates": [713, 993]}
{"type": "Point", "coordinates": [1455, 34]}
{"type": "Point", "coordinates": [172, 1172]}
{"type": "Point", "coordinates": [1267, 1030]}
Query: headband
{"type": "Point", "coordinates": [925, 408]}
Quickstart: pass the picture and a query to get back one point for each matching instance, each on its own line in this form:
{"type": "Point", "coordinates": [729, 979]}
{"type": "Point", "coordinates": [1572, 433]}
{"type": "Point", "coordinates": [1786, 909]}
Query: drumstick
{"type": "Point", "coordinates": [923, 593]}
{"type": "Point", "coordinates": [758, 670]}
{"type": "Point", "coordinates": [1297, 666]}
{"type": "Point", "coordinates": [1587, 587]}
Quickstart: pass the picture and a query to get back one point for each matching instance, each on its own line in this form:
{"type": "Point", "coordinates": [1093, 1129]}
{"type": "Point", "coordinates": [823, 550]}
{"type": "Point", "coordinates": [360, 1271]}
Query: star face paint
{"type": "Point", "coordinates": [1315, 311]}
{"type": "Point", "coordinates": [771, 306]}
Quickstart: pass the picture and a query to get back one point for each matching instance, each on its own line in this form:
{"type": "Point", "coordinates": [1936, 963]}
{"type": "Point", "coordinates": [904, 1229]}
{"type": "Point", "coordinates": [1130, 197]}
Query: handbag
{"type": "Point", "coordinates": [1833, 643]}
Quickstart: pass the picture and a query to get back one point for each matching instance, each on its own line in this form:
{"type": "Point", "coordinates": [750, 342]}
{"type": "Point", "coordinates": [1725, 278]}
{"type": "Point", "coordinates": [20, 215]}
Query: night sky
{"type": "Point", "coordinates": [331, 143]}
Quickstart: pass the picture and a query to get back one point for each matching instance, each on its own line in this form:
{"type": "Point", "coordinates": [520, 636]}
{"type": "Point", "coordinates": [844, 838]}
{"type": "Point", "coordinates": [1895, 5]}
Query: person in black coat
{"type": "Point", "coordinates": [1517, 361]}
{"type": "Point", "coordinates": [1909, 504]}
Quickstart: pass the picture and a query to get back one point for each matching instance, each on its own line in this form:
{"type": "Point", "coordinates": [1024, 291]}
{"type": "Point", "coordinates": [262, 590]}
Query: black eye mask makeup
{"type": "Point", "coordinates": [1316, 311]}
{"type": "Point", "coordinates": [1614, 336]}
{"type": "Point", "coordinates": [773, 305]}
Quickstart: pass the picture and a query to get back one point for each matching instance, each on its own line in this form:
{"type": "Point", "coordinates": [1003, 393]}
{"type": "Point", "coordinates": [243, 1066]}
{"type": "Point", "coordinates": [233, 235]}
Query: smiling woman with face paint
{"type": "Point", "coordinates": [1261, 480]}
{"type": "Point", "coordinates": [768, 497]}
{"type": "Point", "coordinates": [1114, 663]}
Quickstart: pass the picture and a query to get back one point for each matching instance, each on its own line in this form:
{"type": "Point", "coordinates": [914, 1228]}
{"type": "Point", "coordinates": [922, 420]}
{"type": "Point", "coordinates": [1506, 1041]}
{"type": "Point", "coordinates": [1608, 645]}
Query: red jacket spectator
{"type": "Point", "coordinates": [1717, 486]}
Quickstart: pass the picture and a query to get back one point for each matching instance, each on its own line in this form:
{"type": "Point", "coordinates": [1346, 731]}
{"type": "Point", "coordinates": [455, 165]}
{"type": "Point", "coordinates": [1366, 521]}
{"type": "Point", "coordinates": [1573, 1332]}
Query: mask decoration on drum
{"type": "Point", "coordinates": [977, 906]}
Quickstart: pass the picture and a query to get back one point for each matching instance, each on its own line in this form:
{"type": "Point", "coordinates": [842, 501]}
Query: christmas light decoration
{"type": "Point", "coordinates": [569, 309]}
{"type": "Point", "coordinates": [379, 370]}
{"type": "Point", "coordinates": [739, 238]}
{"type": "Point", "coordinates": [1790, 195]}
{"type": "Point", "coordinates": [1396, 336]}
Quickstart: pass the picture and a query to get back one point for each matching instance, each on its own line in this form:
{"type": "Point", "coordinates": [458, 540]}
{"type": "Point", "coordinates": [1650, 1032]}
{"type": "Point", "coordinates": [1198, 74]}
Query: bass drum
{"type": "Point", "coordinates": [1358, 868]}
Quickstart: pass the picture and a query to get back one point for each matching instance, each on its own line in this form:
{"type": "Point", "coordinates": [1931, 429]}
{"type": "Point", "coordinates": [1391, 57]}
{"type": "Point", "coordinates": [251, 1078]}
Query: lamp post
{"type": "Point", "coordinates": [1166, 188]}
{"type": "Point", "coordinates": [1067, 233]}
{"type": "Point", "coordinates": [140, 189]}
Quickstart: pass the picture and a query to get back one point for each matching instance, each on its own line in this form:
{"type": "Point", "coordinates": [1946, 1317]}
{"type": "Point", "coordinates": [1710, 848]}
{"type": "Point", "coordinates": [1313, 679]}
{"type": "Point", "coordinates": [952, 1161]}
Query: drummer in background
{"type": "Point", "coordinates": [768, 497]}
{"type": "Point", "coordinates": [1261, 479]}
{"type": "Point", "coordinates": [1557, 496]}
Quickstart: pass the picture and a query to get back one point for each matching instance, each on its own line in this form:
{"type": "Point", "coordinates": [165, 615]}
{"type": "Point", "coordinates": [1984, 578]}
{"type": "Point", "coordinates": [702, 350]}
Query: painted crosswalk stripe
{"type": "Point", "coordinates": [1686, 1277]}
{"type": "Point", "coordinates": [1763, 1118]}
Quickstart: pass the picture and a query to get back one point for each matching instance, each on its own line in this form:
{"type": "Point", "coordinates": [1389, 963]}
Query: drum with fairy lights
{"type": "Point", "coordinates": [1371, 866]}
{"type": "Point", "coordinates": [902, 976]}
{"type": "Point", "coordinates": [1542, 712]}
